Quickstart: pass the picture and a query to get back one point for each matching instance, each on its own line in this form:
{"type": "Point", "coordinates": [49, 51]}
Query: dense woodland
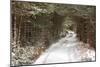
{"type": "Point", "coordinates": [35, 26]}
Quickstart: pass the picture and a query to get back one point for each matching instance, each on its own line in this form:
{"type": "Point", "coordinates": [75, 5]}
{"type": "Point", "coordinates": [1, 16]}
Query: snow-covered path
{"type": "Point", "coordinates": [67, 49]}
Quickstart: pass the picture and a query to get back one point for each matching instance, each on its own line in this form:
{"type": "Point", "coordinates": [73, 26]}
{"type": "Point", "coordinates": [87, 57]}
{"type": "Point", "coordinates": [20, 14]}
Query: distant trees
{"type": "Point", "coordinates": [33, 21]}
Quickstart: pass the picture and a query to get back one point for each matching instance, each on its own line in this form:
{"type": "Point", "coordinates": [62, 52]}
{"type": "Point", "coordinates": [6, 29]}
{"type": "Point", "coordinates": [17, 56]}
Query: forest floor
{"type": "Point", "coordinates": [67, 49]}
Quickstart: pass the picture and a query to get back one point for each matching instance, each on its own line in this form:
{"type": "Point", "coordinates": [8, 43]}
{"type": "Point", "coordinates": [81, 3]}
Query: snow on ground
{"type": "Point", "coordinates": [67, 49]}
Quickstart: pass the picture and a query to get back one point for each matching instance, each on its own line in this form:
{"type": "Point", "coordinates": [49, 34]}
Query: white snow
{"type": "Point", "coordinates": [67, 49]}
